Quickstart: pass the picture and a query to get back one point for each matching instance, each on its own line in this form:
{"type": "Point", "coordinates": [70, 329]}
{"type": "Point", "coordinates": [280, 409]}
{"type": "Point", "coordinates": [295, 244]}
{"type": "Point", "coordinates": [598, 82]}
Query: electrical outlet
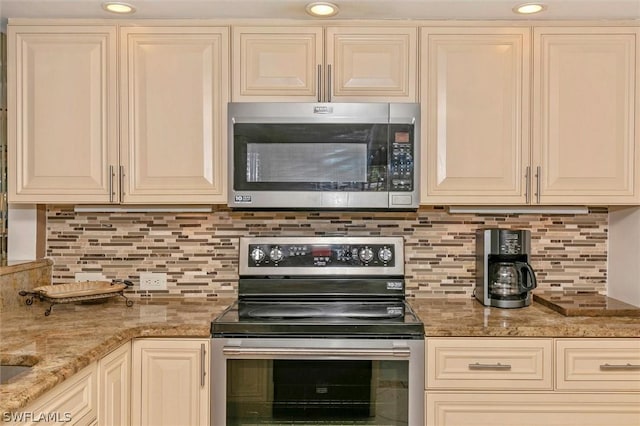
{"type": "Point", "coordinates": [153, 281]}
{"type": "Point", "coordinates": [89, 276]}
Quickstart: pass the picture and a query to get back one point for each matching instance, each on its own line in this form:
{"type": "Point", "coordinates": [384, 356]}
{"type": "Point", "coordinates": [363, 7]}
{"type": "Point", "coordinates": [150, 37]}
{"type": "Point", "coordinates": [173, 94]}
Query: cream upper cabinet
{"type": "Point", "coordinates": [62, 113]}
{"type": "Point", "coordinates": [375, 64]}
{"type": "Point", "coordinates": [174, 92]}
{"type": "Point", "coordinates": [586, 115]}
{"type": "Point", "coordinates": [475, 115]}
{"type": "Point", "coordinates": [276, 64]}
{"type": "Point", "coordinates": [170, 382]}
{"type": "Point", "coordinates": [315, 64]}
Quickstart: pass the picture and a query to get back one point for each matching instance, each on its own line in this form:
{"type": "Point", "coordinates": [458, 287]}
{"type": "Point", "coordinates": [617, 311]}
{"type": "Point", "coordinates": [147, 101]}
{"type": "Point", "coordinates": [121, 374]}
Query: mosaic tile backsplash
{"type": "Point", "coordinates": [199, 251]}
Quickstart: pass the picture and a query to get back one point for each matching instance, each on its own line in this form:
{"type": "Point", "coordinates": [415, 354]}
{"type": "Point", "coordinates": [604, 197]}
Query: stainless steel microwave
{"type": "Point", "coordinates": [324, 155]}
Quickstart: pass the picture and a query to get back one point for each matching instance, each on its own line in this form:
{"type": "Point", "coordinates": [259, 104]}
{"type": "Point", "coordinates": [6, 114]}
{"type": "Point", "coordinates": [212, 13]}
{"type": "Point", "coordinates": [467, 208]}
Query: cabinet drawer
{"type": "Point", "coordinates": [489, 364]}
{"type": "Point", "coordinates": [602, 364]}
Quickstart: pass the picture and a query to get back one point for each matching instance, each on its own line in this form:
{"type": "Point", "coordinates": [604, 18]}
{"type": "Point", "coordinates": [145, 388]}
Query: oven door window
{"type": "Point", "coordinates": [328, 392]}
{"type": "Point", "coordinates": [311, 157]}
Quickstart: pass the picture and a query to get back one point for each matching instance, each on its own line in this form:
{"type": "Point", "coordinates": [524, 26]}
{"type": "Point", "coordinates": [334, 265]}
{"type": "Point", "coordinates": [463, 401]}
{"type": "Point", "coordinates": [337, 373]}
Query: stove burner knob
{"type": "Point", "coordinates": [257, 254]}
{"type": "Point", "coordinates": [365, 254]}
{"type": "Point", "coordinates": [276, 254]}
{"type": "Point", "coordinates": [385, 254]}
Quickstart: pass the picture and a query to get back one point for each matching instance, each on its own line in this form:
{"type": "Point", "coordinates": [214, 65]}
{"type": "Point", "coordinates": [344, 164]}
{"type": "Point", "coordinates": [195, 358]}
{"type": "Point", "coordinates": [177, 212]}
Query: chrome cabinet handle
{"type": "Point", "coordinates": [203, 372]}
{"type": "Point", "coordinates": [329, 83]}
{"type": "Point", "coordinates": [110, 184]}
{"type": "Point", "coordinates": [497, 366]}
{"type": "Point", "coordinates": [319, 83]}
{"type": "Point", "coordinates": [619, 367]}
{"type": "Point", "coordinates": [121, 181]}
{"type": "Point", "coordinates": [527, 183]}
{"type": "Point", "coordinates": [538, 173]}
{"type": "Point", "coordinates": [300, 352]}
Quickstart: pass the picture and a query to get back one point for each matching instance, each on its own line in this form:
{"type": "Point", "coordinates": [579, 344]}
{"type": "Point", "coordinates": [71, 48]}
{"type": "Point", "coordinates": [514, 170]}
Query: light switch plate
{"type": "Point", "coordinates": [153, 281]}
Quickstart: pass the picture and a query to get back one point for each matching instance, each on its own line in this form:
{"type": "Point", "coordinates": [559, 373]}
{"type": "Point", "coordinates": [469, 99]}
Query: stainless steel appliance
{"type": "Point", "coordinates": [324, 155]}
{"type": "Point", "coordinates": [321, 333]}
{"type": "Point", "coordinates": [504, 278]}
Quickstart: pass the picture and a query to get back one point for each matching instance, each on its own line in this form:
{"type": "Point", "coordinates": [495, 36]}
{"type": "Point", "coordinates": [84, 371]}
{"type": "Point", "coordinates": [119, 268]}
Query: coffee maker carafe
{"type": "Point", "coordinates": [504, 278]}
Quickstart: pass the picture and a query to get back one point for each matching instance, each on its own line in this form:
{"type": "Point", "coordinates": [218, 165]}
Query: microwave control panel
{"type": "Point", "coordinates": [401, 160]}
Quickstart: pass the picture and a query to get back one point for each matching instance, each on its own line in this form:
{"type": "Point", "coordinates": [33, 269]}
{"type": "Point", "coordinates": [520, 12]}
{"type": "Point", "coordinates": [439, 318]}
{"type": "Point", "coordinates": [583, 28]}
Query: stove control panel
{"type": "Point", "coordinates": [302, 255]}
{"type": "Point", "coordinates": [315, 255]}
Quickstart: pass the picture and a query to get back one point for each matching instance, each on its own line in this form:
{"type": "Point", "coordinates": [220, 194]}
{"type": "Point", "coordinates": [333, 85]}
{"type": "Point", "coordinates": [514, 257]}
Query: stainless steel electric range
{"type": "Point", "coordinates": [321, 334]}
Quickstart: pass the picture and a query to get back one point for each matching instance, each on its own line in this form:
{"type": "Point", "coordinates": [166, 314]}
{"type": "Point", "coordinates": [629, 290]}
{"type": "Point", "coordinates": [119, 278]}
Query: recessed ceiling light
{"type": "Point", "coordinates": [529, 8]}
{"type": "Point", "coordinates": [118, 7]}
{"type": "Point", "coordinates": [321, 8]}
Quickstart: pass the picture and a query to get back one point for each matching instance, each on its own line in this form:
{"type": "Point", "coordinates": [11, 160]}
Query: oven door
{"type": "Point", "coordinates": [271, 381]}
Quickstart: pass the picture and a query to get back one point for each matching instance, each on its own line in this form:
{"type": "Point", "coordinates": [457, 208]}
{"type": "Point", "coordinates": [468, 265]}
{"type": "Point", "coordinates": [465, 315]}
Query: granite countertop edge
{"type": "Point", "coordinates": [64, 347]}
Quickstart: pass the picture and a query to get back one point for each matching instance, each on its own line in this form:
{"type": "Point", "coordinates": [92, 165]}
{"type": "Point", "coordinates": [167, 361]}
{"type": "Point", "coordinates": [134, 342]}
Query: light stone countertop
{"type": "Point", "coordinates": [74, 335]}
{"type": "Point", "coordinates": [468, 318]}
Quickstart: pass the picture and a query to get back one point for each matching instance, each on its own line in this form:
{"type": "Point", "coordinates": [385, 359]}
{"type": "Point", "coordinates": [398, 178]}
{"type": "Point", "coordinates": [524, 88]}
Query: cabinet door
{"type": "Point", "coordinates": [62, 134]}
{"type": "Point", "coordinates": [173, 114]}
{"type": "Point", "coordinates": [372, 64]}
{"type": "Point", "coordinates": [586, 96]}
{"type": "Point", "coordinates": [475, 99]}
{"type": "Point", "coordinates": [522, 409]}
{"type": "Point", "coordinates": [276, 64]}
{"type": "Point", "coordinates": [170, 385]}
{"type": "Point", "coordinates": [114, 387]}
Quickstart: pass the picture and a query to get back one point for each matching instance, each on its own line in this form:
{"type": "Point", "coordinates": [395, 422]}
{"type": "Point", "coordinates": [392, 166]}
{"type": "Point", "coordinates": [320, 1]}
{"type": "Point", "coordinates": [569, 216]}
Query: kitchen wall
{"type": "Point", "coordinates": [199, 251]}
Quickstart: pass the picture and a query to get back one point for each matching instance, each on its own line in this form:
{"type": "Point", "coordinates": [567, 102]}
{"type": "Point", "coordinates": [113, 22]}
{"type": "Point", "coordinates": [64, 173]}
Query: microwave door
{"type": "Point", "coordinates": [311, 165]}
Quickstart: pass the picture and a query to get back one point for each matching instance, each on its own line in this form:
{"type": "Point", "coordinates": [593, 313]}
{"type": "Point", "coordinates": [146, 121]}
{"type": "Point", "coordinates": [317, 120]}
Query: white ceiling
{"type": "Point", "coordinates": [349, 9]}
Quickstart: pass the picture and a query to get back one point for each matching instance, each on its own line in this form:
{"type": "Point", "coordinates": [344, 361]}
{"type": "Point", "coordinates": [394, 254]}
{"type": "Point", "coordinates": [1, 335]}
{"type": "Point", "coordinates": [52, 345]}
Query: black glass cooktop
{"type": "Point", "coordinates": [354, 318]}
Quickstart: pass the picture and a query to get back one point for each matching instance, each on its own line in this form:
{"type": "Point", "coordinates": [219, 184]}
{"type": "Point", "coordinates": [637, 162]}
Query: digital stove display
{"type": "Point", "coordinates": [321, 251]}
{"type": "Point", "coordinates": [325, 255]}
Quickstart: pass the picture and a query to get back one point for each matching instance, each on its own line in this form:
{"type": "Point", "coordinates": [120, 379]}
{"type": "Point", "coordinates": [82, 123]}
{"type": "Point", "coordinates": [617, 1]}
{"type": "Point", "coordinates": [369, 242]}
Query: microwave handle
{"type": "Point", "coordinates": [314, 352]}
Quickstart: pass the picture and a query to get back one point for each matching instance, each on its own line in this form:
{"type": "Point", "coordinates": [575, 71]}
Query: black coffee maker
{"type": "Point", "coordinates": [504, 278]}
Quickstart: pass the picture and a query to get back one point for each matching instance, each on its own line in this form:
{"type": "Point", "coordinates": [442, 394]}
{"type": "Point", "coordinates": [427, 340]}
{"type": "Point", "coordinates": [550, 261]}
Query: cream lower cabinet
{"type": "Point", "coordinates": [62, 113]}
{"type": "Point", "coordinates": [170, 382]}
{"type": "Point", "coordinates": [96, 395]}
{"type": "Point", "coordinates": [521, 408]}
{"type": "Point", "coordinates": [512, 382]}
{"type": "Point", "coordinates": [316, 64]}
{"type": "Point", "coordinates": [173, 102]}
{"type": "Point", "coordinates": [582, 115]}
{"type": "Point", "coordinates": [114, 388]}
{"type": "Point", "coordinates": [73, 402]}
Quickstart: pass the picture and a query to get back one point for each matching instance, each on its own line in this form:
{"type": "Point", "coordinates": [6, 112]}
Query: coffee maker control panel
{"type": "Point", "coordinates": [510, 243]}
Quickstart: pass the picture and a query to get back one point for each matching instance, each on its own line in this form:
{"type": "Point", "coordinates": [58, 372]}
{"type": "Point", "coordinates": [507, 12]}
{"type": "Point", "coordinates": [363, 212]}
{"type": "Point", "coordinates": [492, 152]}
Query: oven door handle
{"type": "Point", "coordinates": [248, 351]}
